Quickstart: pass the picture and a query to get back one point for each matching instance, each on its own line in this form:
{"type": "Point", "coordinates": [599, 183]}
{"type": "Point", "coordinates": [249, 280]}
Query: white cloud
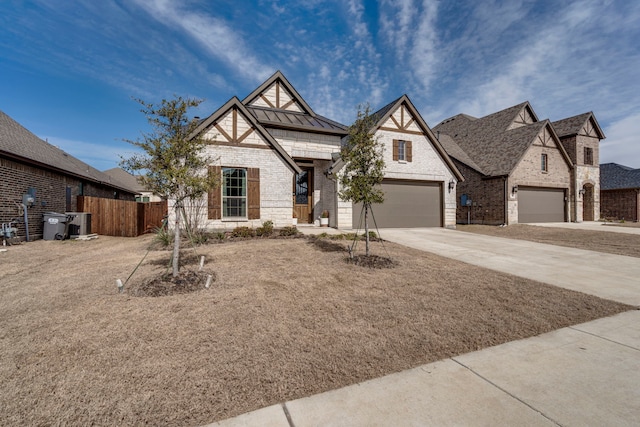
{"type": "Point", "coordinates": [213, 33]}
{"type": "Point", "coordinates": [622, 144]}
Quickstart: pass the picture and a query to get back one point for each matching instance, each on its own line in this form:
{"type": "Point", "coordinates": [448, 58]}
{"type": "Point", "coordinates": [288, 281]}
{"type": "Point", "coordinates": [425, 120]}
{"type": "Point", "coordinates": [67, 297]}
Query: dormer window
{"type": "Point", "coordinates": [402, 151]}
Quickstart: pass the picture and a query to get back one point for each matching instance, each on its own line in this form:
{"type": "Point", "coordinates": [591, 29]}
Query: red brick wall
{"type": "Point", "coordinates": [487, 196]}
{"type": "Point", "coordinates": [620, 204]}
{"type": "Point", "coordinates": [50, 190]}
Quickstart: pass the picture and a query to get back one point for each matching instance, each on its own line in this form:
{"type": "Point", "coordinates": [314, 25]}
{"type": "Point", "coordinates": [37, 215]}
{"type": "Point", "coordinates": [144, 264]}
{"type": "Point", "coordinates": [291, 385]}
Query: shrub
{"type": "Point", "coordinates": [266, 230]}
{"type": "Point", "coordinates": [243, 232]}
{"type": "Point", "coordinates": [163, 236]}
{"type": "Point", "coordinates": [289, 231]}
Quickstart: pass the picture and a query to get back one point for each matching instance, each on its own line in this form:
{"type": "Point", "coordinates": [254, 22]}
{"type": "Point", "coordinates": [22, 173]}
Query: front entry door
{"type": "Point", "coordinates": [303, 195]}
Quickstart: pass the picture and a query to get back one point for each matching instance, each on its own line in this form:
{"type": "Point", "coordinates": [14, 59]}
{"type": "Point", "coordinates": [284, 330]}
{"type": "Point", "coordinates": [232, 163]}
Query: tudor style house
{"type": "Point", "coordinates": [277, 160]}
{"type": "Point", "coordinates": [516, 169]}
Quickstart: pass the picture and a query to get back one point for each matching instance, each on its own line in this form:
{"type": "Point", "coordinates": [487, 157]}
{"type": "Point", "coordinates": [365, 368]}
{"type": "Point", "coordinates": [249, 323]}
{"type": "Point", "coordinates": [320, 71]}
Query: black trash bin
{"type": "Point", "coordinates": [55, 226]}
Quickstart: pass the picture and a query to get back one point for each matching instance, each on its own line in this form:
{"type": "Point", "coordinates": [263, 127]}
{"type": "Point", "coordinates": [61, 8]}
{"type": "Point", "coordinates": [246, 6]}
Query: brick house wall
{"type": "Point", "coordinates": [487, 196]}
{"type": "Point", "coordinates": [583, 175]}
{"type": "Point", "coordinates": [620, 204]}
{"type": "Point", "coordinates": [16, 178]}
{"type": "Point", "coordinates": [529, 173]}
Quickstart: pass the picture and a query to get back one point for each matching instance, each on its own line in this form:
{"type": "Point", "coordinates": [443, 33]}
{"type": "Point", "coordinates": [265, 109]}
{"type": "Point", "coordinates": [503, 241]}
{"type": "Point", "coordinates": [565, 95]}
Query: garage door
{"type": "Point", "coordinates": [540, 205]}
{"type": "Point", "coordinates": [406, 204]}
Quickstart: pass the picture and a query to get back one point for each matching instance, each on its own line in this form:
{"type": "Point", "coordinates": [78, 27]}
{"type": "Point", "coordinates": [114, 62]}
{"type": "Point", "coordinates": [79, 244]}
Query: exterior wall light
{"type": "Point", "coordinates": [452, 185]}
{"type": "Point", "coordinates": [582, 191]}
{"type": "Point", "coordinates": [514, 190]}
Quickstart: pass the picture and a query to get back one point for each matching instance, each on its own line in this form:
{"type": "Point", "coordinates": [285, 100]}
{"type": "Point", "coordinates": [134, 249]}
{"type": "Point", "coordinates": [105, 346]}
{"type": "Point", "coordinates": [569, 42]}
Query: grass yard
{"type": "Point", "coordinates": [599, 241]}
{"type": "Point", "coordinates": [285, 318]}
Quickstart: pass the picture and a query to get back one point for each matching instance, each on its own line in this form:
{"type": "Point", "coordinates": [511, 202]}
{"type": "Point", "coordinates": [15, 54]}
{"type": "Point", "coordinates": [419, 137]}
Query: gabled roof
{"type": "Point", "coordinates": [19, 143]}
{"type": "Point", "coordinates": [235, 103]}
{"type": "Point", "coordinates": [277, 117]}
{"type": "Point", "coordinates": [494, 144]}
{"type": "Point", "coordinates": [618, 177]}
{"type": "Point", "coordinates": [383, 114]}
{"type": "Point", "coordinates": [573, 125]}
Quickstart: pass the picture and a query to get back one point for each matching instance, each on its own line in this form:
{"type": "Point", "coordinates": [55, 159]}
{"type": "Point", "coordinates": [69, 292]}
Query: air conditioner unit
{"type": "Point", "coordinates": [80, 225]}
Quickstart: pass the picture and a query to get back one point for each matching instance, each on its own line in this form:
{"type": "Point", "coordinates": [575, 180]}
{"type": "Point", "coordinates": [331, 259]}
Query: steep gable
{"type": "Point", "coordinates": [277, 104]}
{"type": "Point", "coordinates": [233, 125]}
{"type": "Point", "coordinates": [401, 116]}
{"type": "Point", "coordinates": [583, 124]}
{"type": "Point", "coordinates": [277, 93]}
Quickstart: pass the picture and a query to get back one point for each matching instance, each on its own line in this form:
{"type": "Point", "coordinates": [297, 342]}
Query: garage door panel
{"type": "Point", "coordinates": [406, 204]}
{"type": "Point", "coordinates": [540, 205]}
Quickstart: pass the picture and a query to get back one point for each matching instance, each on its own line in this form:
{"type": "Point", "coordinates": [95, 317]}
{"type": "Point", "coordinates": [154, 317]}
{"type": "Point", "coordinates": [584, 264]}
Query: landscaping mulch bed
{"type": "Point", "coordinates": [284, 319]}
{"type": "Point", "coordinates": [599, 241]}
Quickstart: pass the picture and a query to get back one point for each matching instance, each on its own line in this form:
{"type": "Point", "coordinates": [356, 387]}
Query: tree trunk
{"type": "Point", "coordinates": [176, 243]}
{"type": "Point", "coordinates": [366, 228]}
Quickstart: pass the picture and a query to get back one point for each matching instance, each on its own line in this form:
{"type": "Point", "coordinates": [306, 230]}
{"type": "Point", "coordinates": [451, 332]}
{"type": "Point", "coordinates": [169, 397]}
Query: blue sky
{"type": "Point", "coordinates": [69, 69]}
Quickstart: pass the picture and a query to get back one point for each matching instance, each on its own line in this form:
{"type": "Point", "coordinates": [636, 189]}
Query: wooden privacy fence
{"type": "Point", "coordinates": [113, 217]}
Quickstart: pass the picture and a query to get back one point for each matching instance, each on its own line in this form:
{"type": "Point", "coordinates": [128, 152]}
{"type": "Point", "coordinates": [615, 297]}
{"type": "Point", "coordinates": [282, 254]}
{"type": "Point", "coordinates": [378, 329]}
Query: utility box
{"type": "Point", "coordinates": [80, 225]}
{"type": "Point", "coordinates": [54, 226]}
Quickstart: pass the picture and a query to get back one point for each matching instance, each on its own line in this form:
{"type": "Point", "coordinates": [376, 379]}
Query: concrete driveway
{"type": "Point", "coordinates": [613, 277]}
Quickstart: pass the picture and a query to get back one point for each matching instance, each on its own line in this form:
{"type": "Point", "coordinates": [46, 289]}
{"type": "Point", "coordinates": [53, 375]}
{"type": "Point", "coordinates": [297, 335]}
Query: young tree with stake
{"type": "Point", "coordinates": [172, 159]}
{"type": "Point", "coordinates": [364, 165]}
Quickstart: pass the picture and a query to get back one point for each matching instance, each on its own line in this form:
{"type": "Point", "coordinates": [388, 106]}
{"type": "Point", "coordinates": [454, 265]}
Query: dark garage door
{"type": "Point", "coordinates": [406, 204]}
{"type": "Point", "coordinates": [540, 205]}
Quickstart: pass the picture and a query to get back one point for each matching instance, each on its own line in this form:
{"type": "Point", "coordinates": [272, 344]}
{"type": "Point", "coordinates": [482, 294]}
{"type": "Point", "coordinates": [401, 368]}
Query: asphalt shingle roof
{"type": "Point", "coordinates": [126, 179]}
{"type": "Point", "coordinates": [487, 144]}
{"type": "Point", "coordinates": [570, 125]}
{"type": "Point", "coordinates": [17, 141]}
{"type": "Point", "coordinates": [618, 177]}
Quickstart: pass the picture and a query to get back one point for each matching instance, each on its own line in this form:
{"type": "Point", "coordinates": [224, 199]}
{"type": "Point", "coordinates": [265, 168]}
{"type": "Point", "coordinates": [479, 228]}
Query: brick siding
{"type": "Point", "coordinates": [620, 204]}
{"type": "Point", "coordinates": [16, 178]}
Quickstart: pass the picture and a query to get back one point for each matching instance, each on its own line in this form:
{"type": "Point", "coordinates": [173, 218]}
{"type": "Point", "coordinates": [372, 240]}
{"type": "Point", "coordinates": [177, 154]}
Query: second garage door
{"type": "Point", "coordinates": [406, 204]}
{"type": "Point", "coordinates": [540, 205]}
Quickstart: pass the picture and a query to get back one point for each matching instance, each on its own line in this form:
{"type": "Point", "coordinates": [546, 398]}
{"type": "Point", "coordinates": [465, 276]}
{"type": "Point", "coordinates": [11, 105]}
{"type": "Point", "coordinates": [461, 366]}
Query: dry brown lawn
{"type": "Point", "coordinates": [599, 241]}
{"type": "Point", "coordinates": [285, 318]}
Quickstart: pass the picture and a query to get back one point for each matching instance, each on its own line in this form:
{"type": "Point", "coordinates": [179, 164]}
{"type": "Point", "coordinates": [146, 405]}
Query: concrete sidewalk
{"type": "Point", "coordinates": [587, 374]}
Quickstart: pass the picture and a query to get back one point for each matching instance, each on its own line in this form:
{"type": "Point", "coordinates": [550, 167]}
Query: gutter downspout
{"type": "Point", "coordinates": [506, 200]}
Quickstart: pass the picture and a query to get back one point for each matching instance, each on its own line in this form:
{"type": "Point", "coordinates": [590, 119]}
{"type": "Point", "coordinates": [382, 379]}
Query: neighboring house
{"type": "Point", "coordinates": [419, 177]}
{"type": "Point", "coordinates": [516, 170]}
{"type": "Point", "coordinates": [277, 160]}
{"type": "Point", "coordinates": [131, 181]}
{"type": "Point", "coordinates": [580, 135]}
{"type": "Point", "coordinates": [619, 192]}
{"type": "Point", "coordinates": [46, 177]}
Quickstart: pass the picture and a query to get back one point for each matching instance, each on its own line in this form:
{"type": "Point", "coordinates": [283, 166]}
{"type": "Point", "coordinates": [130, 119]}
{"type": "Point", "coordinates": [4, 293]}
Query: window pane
{"type": "Point", "coordinates": [234, 192]}
{"type": "Point", "coordinates": [401, 149]}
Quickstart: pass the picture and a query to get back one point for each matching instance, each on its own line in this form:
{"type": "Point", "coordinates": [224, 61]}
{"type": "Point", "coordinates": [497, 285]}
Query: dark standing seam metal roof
{"type": "Point", "coordinates": [617, 177]}
{"type": "Point", "coordinates": [18, 142]}
{"type": "Point", "coordinates": [307, 120]}
{"type": "Point", "coordinates": [486, 144]}
{"type": "Point", "coordinates": [283, 119]}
